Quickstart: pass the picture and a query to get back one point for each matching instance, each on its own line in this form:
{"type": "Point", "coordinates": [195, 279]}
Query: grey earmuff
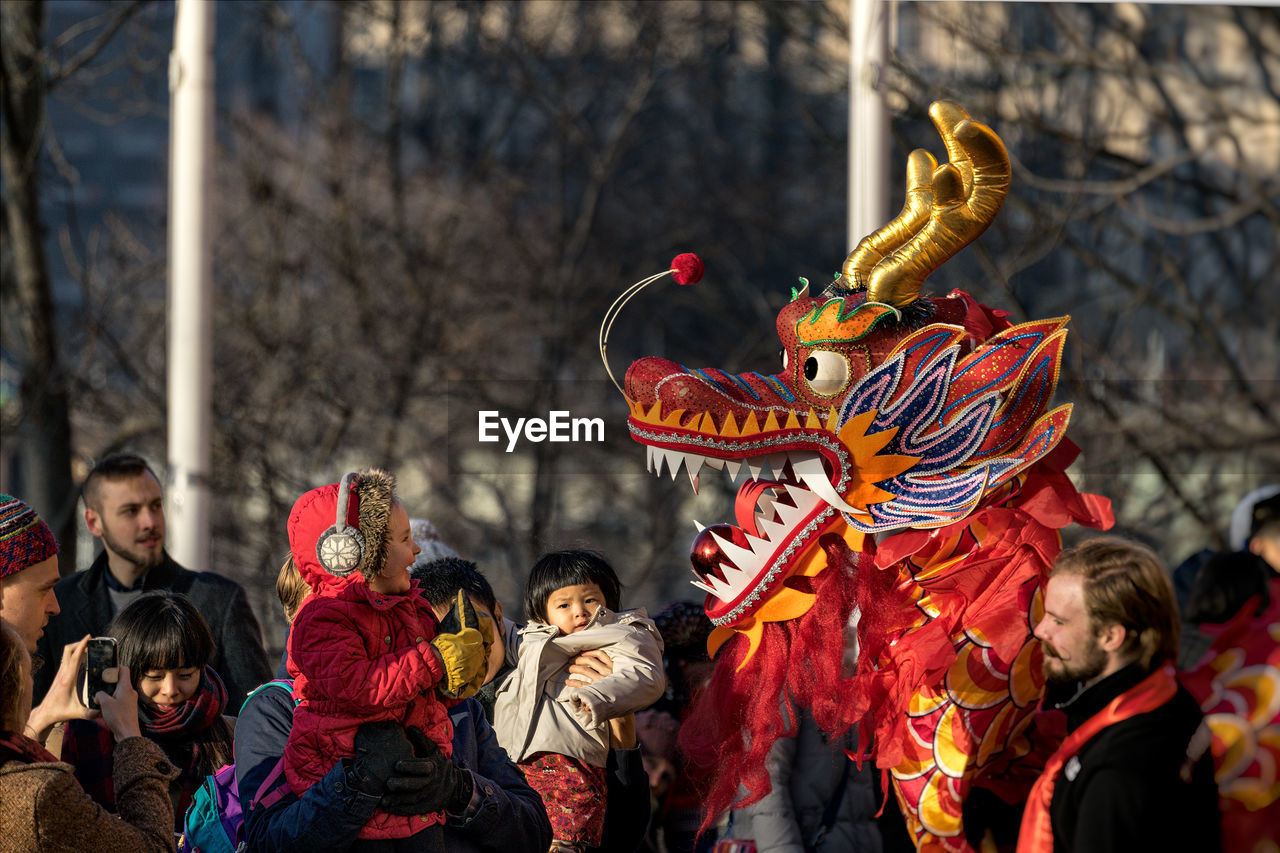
{"type": "Point", "coordinates": [341, 547]}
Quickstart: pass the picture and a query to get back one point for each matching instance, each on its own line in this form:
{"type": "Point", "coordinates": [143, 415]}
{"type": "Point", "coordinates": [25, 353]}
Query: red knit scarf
{"type": "Point", "coordinates": [1036, 833]}
{"type": "Point", "coordinates": [15, 746]}
{"type": "Point", "coordinates": [192, 716]}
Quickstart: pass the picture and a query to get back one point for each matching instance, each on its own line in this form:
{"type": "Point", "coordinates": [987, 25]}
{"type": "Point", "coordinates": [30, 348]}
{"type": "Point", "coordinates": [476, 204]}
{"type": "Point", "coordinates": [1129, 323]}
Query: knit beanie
{"type": "Point", "coordinates": [368, 509]}
{"type": "Point", "coordinates": [430, 541]}
{"type": "Point", "coordinates": [24, 539]}
{"type": "Point", "coordinates": [1243, 525]}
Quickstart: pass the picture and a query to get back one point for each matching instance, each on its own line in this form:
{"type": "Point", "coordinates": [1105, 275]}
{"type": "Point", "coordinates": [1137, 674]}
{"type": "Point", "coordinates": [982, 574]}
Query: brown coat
{"type": "Point", "coordinates": [45, 809]}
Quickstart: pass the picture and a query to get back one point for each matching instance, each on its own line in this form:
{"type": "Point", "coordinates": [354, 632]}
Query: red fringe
{"type": "Point", "coordinates": [735, 721]}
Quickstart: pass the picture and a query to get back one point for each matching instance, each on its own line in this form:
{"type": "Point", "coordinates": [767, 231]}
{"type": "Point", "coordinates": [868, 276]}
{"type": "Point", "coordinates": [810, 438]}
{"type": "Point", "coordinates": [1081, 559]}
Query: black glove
{"type": "Point", "coordinates": [427, 783]}
{"type": "Point", "coordinates": [378, 747]}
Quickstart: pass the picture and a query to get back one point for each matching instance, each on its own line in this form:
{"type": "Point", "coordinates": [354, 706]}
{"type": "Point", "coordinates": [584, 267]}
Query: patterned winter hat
{"type": "Point", "coordinates": [430, 541]}
{"type": "Point", "coordinates": [24, 539]}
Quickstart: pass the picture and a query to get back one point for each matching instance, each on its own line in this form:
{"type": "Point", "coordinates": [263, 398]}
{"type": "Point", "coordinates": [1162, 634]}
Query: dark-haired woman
{"type": "Point", "coordinates": [167, 646]}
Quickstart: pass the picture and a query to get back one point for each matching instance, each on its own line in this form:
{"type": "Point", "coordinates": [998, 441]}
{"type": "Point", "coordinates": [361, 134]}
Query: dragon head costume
{"type": "Point", "coordinates": [902, 488]}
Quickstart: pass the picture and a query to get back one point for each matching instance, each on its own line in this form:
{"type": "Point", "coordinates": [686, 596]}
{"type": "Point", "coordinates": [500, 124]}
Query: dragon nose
{"type": "Point", "coordinates": [644, 376]}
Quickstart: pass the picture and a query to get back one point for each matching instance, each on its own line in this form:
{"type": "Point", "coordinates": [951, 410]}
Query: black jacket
{"type": "Point", "coordinates": [1132, 786]}
{"type": "Point", "coordinates": [86, 609]}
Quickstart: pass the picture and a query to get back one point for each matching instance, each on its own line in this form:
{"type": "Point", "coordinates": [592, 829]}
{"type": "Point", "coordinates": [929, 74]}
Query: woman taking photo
{"type": "Point", "coordinates": [167, 647]}
{"type": "Point", "coordinates": [43, 806]}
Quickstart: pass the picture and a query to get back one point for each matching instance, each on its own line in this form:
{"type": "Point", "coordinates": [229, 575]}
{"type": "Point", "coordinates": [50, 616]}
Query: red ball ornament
{"type": "Point", "coordinates": [706, 553]}
{"type": "Point", "coordinates": [687, 268]}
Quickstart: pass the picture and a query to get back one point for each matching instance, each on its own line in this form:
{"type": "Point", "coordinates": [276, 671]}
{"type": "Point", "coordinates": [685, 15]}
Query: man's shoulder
{"type": "Point", "coordinates": [207, 584]}
{"type": "Point", "coordinates": [1144, 740]}
{"type": "Point", "coordinates": [468, 709]}
{"type": "Point", "coordinates": [78, 583]}
{"type": "Point", "coordinates": [215, 580]}
{"type": "Point", "coordinates": [85, 608]}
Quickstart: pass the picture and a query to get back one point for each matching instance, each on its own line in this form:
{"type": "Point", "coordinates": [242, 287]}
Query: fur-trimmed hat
{"type": "Point", "coordinates": [24, 539]}
{"type": "Point", "coordinates": [372, 493]}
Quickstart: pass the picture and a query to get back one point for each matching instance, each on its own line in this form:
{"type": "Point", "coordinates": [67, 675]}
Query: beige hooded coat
{"type": "Point", "coordinates": [537, 711]}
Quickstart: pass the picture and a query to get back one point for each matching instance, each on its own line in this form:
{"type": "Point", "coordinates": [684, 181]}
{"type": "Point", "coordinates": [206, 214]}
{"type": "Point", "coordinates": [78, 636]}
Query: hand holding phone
{"type": "Point", "coordinates": [120, 708]}
{"type": "Point", "coordinates": [100, 657]}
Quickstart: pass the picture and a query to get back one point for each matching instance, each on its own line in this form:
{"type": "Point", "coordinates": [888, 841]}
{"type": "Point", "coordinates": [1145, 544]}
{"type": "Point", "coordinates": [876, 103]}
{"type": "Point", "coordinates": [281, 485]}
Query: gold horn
{"type": "Point", "coordinates": [963, 197]}
{"type": "Point", "coordinates": [873, 248]}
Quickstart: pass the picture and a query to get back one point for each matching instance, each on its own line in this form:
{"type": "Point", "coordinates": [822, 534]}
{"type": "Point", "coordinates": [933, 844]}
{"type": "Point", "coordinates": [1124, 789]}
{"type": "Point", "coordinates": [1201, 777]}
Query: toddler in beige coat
{"type": "Point", "coordinates": [558, 731]}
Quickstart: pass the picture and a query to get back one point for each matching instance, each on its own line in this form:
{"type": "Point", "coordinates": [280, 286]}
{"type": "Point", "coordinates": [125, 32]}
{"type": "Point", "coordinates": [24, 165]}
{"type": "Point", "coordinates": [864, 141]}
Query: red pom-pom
{"type": "Point", "coordinates": [687, 268]}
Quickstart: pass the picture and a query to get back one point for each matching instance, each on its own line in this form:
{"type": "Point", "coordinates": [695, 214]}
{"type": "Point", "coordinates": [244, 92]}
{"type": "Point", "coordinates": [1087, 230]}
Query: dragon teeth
{"type": "Point", "coordinates": [765, 509]}
{"type": "Point", "coordinates": [772, 530]}
{"type": "Point", "coordinates": [735, 583]}
{"type": "Point", "coordinates": [775, 519]}
{"type": "Point", "coordinates": [693, 462]}
{"type": "Point", "coordinates": [745, 560]}
{"type": "Point", "coordinates": [703, 586]}
{"type": "Point", "coordinates": [674, 461]}
{"type": "Point", "coordinates": [810, 471]}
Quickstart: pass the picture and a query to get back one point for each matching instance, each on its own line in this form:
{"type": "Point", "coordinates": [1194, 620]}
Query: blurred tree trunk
{"type": "Point", "coordinates": [40, 430]}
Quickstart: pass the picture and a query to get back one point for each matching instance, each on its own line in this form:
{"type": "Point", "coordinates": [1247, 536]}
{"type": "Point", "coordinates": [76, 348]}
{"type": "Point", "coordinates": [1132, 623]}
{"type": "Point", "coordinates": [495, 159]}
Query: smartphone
{"type": "Point", "coordinates": [100, 657]}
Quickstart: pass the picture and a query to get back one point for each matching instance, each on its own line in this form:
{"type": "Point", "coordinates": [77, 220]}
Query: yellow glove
{"type": "Point", "coordinates": [463, 650]}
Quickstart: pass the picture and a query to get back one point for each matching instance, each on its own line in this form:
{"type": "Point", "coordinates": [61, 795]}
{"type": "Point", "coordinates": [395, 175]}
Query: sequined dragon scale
{"type": "Point", "coordinates": [906, 463]}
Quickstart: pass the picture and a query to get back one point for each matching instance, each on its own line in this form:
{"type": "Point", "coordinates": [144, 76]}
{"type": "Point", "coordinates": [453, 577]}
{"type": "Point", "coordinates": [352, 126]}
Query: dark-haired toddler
{"type": "Point", "coordinates": [556, 729]}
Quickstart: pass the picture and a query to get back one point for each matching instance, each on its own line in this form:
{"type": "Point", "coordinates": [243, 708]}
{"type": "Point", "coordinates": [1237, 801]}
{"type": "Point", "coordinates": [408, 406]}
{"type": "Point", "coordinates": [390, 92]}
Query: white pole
{"type": "Point", "coordinates": [191, 72]}
{"type": "Point", "coordinates": [868, 119]}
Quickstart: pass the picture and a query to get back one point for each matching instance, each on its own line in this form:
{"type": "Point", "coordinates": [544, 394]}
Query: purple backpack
{"type": "Point", "coordinates": [214, 822]}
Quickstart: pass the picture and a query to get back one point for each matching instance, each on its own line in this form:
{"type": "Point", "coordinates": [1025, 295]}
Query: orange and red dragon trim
{"type": "Point", "coordinates": [904, 472]}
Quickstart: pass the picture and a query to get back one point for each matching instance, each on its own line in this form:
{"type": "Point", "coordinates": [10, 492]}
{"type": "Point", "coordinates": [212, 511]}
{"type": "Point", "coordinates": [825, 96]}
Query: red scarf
{"type": "Point", "coordinates": [192, 716]}
{"type": "Point", "coordinates": [15, 746]}
{"type": "Point", "coordinates": [1036, 833]}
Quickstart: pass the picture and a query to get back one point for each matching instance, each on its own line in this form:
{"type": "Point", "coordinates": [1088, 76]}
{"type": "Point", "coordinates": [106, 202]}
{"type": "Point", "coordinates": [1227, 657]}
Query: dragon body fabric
{"type": "Point", "coordinates": [904, 473]}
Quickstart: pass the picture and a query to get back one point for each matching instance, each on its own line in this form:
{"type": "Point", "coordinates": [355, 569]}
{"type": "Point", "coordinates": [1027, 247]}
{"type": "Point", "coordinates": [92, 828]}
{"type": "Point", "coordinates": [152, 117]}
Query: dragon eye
{"type": "Point", "coordinates": [826, 372]}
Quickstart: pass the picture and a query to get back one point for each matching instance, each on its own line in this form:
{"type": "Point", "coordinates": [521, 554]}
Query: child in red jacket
{"type": "Point", "coordinates": [364, 647]}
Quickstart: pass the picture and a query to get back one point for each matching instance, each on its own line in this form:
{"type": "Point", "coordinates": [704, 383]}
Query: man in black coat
{"type": "Point", "coordinates": [124, 508]}
{"type": "Point", "coordinates": [1134, 772]}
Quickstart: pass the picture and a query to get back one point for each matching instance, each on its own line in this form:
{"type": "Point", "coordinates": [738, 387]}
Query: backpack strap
{"type": "Point", "coordinates": [273, 789]}
{"type": "Point", "coordinates": [282, 683]}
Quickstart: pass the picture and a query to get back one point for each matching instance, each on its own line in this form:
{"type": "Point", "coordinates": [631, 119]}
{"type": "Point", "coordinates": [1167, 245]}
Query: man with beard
{"type": "Point", "coordinates": [124, 508]}
{"type": "Point", "coordinates": [1134, 772]}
